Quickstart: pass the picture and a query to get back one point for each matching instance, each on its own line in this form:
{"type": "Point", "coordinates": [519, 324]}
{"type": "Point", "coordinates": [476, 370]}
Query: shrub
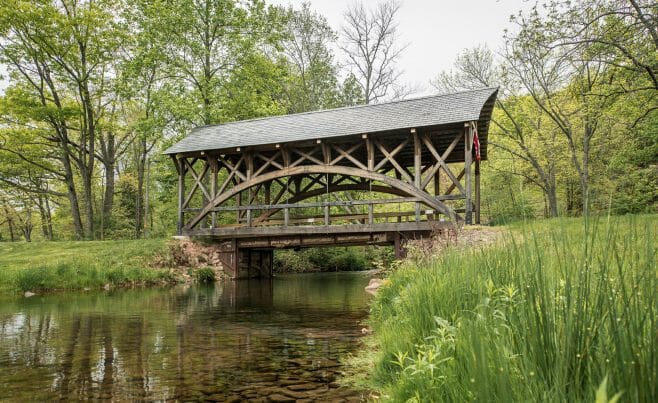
{"type": "Point", "coordinates": [205, 275]}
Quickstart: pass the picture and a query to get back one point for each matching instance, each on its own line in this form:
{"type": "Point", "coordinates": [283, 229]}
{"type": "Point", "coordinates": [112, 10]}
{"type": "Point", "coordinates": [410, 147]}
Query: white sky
{"type": "Point", "coordinates": [436, 30]}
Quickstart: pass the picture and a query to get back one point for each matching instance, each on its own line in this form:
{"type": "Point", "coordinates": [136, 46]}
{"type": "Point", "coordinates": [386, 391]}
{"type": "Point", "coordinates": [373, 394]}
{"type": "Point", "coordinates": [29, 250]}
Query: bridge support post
{"type": "Point", "coordinates": [181, 194]}
{"type": "Point", "coordinates": [468, 159]}
{"type": "Point", "coordinates": [400, 250]}
{"type": "Point", "coordinates": [242, 263]}
{"type": "Point", "coordinates": [477, 192]}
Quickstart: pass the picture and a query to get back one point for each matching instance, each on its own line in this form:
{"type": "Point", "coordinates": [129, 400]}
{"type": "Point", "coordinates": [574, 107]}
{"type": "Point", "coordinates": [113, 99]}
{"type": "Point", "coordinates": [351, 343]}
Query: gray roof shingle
{"type": "Point", "coordinates": [419, 112]}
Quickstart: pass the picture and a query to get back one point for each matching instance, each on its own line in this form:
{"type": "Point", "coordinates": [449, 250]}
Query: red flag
{"type": "Point", "coordinates": [476, 144]}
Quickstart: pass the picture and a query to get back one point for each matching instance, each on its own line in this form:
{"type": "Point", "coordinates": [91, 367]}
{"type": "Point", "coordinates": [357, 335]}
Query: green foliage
{"type": "Point", "coordinates": [505, 199]}
{"type": "Point", "coordinates": [331, 259]}
{"type": "Point", "coordinates": [548, 315]}
{"type": "Point", "coordinates": [205, 275]}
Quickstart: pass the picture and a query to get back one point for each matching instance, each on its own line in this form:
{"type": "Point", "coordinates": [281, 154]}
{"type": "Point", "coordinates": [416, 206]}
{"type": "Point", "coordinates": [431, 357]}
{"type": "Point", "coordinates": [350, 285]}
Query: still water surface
{"type": "Point", "coordinates": [276, 340]}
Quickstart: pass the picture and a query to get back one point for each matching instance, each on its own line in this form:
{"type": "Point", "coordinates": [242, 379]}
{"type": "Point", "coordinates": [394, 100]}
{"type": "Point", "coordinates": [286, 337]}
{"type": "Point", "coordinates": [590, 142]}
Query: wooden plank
{"type": "Point", "coordinates": [468, 155]}
{"type": "Point", "coordinates": [443, 164]}
{"type": "Point", "coordinates": [181, 194]}
{"type": "Point", "coordinates": [318, 204]}
{"type": "Point", "coordinates": [477, 191]}
{"type": "Point", "coordinates": [370, 152]}
{"type": "Point", "coordinates": [417, 169]}
{"type": "Point", "coordinates": [235, 169]}
{"type": "Point", "coordinates": [453, 186]}
{"type": "Point", "coordinates": [347, 154]}
{"type": "Point", "coordinates": [214, 167]}
{"type": "Point", "coordinates": [197, 182]}
{"type": "Point", "coordinates": [242, 232]}
{"type": "Point", "coordinates": [292, 220]}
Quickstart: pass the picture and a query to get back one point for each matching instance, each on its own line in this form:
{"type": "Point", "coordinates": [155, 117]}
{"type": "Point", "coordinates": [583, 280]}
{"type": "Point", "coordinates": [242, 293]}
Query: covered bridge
{"type": "Point", "coordinates": [364, 174]}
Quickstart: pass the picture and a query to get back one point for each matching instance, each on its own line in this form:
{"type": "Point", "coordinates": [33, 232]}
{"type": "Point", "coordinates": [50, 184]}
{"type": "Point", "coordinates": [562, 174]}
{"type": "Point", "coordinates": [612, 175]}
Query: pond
{"type": "Point", "coordinates": [277, 340]}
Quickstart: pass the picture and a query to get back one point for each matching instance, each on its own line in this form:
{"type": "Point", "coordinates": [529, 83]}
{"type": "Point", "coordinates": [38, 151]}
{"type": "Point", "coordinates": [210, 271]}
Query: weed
{"type": "Point", "coordinates": [205, 275]}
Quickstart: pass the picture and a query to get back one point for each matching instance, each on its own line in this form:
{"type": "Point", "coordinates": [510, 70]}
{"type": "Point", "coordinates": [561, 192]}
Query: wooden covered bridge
{"type": "Point", "coordinates": [372, 174]}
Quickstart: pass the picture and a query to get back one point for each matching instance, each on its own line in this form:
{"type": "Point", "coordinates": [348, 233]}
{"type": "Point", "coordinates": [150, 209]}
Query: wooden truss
{"type": "Point", "coordinates": [364, 181]}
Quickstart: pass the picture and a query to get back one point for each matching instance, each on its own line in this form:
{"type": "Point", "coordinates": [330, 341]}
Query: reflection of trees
{"type": "Point", "coordinates": [166, 344]}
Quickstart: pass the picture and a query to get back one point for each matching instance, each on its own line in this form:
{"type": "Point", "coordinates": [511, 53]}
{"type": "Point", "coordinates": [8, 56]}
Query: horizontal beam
{"type": "Point", "coordinates": [340, 217]}
{"type": "Point", "coordinates": [249, 232]}
{"type": "Point", "coordinates": [318, 204]}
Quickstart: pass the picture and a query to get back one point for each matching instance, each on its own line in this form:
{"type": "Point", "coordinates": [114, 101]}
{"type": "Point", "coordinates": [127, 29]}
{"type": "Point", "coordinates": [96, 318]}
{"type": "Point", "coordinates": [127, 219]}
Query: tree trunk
{"type": "Point", "coordinates": [88, 203]}
{"type": "Point", "coordinates": [551, 194]}
{"type": "Point", "coordinates": [584, 175]}
{"type": "Point", "coordinates": [44, 213]}
{"type": "Point", "coordinates": [71, 192]}
{"type": "Point", "coordinates": [140, 202]}
{"type": "Point", "coordinates": [10, 223]}
{"type": "Point", "coordinates": [108, 197]}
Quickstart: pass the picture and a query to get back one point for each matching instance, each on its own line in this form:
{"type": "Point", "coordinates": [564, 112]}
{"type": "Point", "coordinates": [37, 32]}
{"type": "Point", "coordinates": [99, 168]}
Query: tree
{"type": "Point", "coordinates": [370, 44]}
{"type": "Point", "coordinates": [203, 42]}
{"type": "Point", "coordinates": [563, 82]}
{"type": "Point", "coordinates": [620, 34]}
{"type": "Point", "coordinates": [313, 72]}
{"type": "Point", "coordinates": [518, 127]}
{"type": "Point", "coordinates": [62, 56]}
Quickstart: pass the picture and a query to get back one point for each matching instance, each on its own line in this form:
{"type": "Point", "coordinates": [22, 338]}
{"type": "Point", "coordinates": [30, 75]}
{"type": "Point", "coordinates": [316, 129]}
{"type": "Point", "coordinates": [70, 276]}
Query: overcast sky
{"type": "Point", "coordinates": [436, 30]}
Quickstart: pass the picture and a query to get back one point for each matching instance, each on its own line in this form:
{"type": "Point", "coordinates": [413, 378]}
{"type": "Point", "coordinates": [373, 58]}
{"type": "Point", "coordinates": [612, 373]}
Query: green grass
{"type": "Point", "coordinates": [549, 314]}
{"type": "Point", "coordinates": [43, 266]}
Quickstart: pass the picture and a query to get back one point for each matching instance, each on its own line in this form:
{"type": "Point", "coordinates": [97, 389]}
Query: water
{"type": "Point", "coordinates": [276, 340]}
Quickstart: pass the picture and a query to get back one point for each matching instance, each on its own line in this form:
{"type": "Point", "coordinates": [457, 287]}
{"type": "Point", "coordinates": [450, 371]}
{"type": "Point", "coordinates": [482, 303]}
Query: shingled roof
{"type": "Point", "coordinates": [430, 111]}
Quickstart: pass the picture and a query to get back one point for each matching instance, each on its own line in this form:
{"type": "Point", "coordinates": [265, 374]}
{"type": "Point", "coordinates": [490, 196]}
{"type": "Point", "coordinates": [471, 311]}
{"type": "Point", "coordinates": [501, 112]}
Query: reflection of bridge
{"type": "Point", "coordinates": [375, 174]}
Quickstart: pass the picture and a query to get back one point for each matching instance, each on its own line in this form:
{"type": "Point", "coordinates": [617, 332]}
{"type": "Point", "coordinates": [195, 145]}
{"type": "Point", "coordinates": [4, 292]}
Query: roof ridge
{"type": "Point", "coordinates": [319, 111]}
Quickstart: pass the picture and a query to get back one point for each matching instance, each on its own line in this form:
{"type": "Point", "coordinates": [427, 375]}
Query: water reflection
{"type": "Point", "coordinates": [278, 339]}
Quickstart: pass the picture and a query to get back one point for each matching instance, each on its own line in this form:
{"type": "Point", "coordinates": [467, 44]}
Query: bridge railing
{"type": "Point", "coordinates": [409, 209]}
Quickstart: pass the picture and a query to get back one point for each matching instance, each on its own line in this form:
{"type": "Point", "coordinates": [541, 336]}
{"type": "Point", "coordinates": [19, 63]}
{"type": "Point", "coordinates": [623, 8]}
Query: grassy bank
{"type": "Point", "coordinates": [44, 266]}
{"type": "Point", "coordinates": [547, 314]}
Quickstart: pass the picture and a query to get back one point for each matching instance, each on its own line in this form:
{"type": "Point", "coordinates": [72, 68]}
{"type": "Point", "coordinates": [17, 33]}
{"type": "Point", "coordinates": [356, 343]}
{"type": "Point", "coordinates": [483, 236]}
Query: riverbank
{"type": "Point", "coordinates": [45, 266]}
{"type": "Point", "coordinates": [551, 312]}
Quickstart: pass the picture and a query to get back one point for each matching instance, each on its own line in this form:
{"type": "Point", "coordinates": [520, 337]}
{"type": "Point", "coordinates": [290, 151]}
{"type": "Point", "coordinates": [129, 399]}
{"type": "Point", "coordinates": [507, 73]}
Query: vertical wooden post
{"type": "Point", "coordinates": [399, 247]}
{"type": "Point", "coordinates": [286, 216]}
{"type": "Point", "coordinates": [477, 191]}
{"type": "Point", "coordinates": [437, 183]}
{"type": "Point", "coordinates": [249, 156]}
{"type": "Point", "coordinates": [268, 196]}
{"type": "Point", "coordinates": [326, 215]}
{"type": "Point", "coordinates": [371, 213]}
{"type": "Point", "coordinates": [398, 176]}
{"type": "Point", "coordinates": [238, 202]}
{"type": "Point", "coordinates": [181, 194]}
{"type": "Point", "coordinates": [214, 170]}
{"type": "Point", "coordinates": [417, 168]}
{"type": "Point", "coordinates": [370, 151]}
{"type": "Point", "coordinates": [468, 159]}
{"type": "Point", "coordinates": [326, 153]}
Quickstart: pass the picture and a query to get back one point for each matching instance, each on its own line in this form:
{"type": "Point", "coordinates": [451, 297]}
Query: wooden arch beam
{"type": "Point", "coordinates": [324, 169]}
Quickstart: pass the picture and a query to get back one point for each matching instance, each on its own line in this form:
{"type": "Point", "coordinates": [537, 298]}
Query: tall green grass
{"type": "Point", "coordinates": [72, 265]}
{"type": "Point", "coordinates": [550, 314]}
